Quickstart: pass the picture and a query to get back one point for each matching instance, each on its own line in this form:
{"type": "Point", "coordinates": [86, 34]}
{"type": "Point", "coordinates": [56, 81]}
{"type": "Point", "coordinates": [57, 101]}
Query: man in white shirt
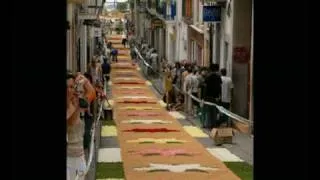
{"type": "Point", "coordinates": [194, 91]}
{"type": "Point", "coordinates": [124, 40]}
{"type": "Point", "coordinates": [187, 88]}
{"type": "Point", "coordinates": [154, 61]}
{"type": "Point", "coordinates": [226, 94]}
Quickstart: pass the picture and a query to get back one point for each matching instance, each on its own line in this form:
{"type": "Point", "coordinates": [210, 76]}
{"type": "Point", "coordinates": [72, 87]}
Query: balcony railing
{"type": "Point", "coordinates": [162, 11]}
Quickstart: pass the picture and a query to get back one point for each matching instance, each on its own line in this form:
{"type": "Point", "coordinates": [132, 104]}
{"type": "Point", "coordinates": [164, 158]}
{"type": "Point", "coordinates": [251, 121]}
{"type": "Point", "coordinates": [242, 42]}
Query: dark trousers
{"type": "Point", "coordinates": [211, 114]}
{"type": "Point", "coordinates": [115, 58]}
{"type": "Point", "coordinates": [224, 118]}
{"type": "Point", "coordinates": [194, 102]}
{"type": "Point", "coordinates": [124, 42]}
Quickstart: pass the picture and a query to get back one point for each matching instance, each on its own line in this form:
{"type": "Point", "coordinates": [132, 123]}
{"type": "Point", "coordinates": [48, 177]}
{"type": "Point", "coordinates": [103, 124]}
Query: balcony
{"type": "Point", "coordinates": [162, 11]}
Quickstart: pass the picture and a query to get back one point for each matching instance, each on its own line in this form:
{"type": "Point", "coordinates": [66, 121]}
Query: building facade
{"type": "Point", "coordinates": [81, 39]}
{"type": "Point", "coordinates": [186, 37]}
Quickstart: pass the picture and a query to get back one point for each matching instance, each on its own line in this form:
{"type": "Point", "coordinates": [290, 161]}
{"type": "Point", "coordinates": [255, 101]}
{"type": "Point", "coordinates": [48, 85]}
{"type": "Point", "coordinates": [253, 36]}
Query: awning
{"type": "Point", "coordinates": [76, 1]}
{"type": "Point", "coordinates": [197, 29]}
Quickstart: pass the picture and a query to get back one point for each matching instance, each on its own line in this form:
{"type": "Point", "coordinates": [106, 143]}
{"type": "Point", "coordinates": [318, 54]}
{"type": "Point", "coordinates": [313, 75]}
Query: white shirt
{"type": "Point", "coordinates": [194, 83]}
{"type": "Point", "coordinates": [226, 87]}
{"type": "Point", "coordinates": [187, 83]}
{"type": "Point", "coordinates": [107, 52]}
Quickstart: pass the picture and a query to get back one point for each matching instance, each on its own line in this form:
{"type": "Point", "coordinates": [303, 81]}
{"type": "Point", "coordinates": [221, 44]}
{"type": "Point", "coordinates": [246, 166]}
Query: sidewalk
{"type": "Point", "coordinates": [242, 143]}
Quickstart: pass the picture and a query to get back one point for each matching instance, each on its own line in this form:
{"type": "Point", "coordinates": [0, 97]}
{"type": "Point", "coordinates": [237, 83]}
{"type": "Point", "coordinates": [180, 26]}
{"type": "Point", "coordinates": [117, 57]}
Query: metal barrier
{"type": "Point", "coordinates": [157, 80]}
{"type": "Point", "coordinates": [92, 141]}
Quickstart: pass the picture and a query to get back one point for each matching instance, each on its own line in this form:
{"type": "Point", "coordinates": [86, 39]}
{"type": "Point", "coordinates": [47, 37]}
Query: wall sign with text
{"type": "Point", "coordinates": [211, 13]}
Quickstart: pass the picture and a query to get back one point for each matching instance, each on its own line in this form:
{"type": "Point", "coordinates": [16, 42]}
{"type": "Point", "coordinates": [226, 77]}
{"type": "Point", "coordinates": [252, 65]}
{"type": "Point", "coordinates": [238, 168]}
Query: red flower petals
{"type": "Point", "coordinates": [151, 130]}
{"type": "Point", "coordinates": [143, 114]}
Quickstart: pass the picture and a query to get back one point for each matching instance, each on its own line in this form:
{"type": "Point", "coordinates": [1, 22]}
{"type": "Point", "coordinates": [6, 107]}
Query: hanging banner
{"type": "Point", "coordinates": [211, 13]}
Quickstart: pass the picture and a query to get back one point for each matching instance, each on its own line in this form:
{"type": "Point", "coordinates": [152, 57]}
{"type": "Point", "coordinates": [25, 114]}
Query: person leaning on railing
{"type": "Point", "coordinates": [76, 164]}
{"type": "Point", "coordinates": [88, 120]}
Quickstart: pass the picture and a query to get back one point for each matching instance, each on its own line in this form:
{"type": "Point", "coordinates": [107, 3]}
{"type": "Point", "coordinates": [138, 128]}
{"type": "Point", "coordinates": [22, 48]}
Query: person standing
{"type": "Point", "coordinates": [168, 88]}
{"type": "Point", "coordinates": [201, 80]}
{"type": "Point", "coordinates": [226, 95]}
{"type": "Point", "coordinates": [195, 91]}
{"type": "Point", "coordinates": [95, 72]}
{"type": "Point", "coordinates": [114, 54]}
{"type": "Point", "coordinates": [107, 52]}
{"type": "Point", "coordinates": [106, 69]}
{"type": "Point", "coordinates": [213, 93]}
{"type": "Point", "coordinates": [133, 54]}
{"type": "Point", "coordinates": [124, 40]}
{"type": "Point", "coordinates": [76, 163]}
{"type": "Point", "coordinates": [154, 62]}
{"type": "Point", "coordinates": [187, 87]}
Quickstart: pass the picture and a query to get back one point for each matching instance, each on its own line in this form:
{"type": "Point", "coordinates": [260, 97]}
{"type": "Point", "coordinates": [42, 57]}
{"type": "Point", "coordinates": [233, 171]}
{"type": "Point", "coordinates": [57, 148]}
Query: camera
{"type": "Point", "coordinates": [83, 103]}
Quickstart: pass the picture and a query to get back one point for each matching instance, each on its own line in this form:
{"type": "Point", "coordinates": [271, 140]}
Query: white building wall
{"type": "Point", "coordinates": [240, 71]}
{"type": "Point", "coordinates": [170, 44]}
{"type": "Point", "coordinates": [69, 37]}
{"type": "Point", "coordinates": [83, 41]}
{"type": "Point", "coordinates": [226, 36]}
{"type": "Point", "coordinates": [142, 25]}
{"type": "Point", "coordinates": [181, 34]}
{"type": "Point", "coordinates": [195, 11]}
{"type": "Point", "coordinates": [183, 45]}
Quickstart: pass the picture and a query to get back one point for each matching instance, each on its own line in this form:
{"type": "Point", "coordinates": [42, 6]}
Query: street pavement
{"type": "Point", "coordinates": [107, 146]}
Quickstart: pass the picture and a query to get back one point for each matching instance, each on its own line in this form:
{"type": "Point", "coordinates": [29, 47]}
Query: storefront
{"type": "Point", "coordinates": [196, 46]}
{"type": "Point", "coordinates": [157, 27]}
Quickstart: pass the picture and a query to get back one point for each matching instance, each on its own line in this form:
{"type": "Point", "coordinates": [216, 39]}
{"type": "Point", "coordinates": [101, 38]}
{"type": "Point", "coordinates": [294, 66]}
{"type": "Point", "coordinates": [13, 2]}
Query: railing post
{"type": "Point", "coordinates": [95, 109]}
{"type": "Point", "coordinates": [202, 113]}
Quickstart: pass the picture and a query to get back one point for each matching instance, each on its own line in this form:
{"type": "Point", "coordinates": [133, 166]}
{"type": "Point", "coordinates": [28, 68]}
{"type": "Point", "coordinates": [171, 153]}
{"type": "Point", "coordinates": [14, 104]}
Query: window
{"type": "Point", "coordinates": [188, 8]}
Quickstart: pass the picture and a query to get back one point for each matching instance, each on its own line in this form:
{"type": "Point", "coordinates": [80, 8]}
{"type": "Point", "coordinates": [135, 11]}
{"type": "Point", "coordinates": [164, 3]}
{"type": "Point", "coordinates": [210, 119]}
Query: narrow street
{"type": "Point", "coordinates": [113, 149]}
{"type": "Point", "coordinates": [179, 47]}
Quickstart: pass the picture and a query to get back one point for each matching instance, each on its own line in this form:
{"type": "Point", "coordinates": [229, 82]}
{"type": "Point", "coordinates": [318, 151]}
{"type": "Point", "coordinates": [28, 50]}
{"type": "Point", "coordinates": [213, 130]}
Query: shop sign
{"type": "Point", "coordinates": [156, 23]}
{"type": "Point", "coordinates": [211, 13]}
{"type": "Point", "coordinates": [87, 17]}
